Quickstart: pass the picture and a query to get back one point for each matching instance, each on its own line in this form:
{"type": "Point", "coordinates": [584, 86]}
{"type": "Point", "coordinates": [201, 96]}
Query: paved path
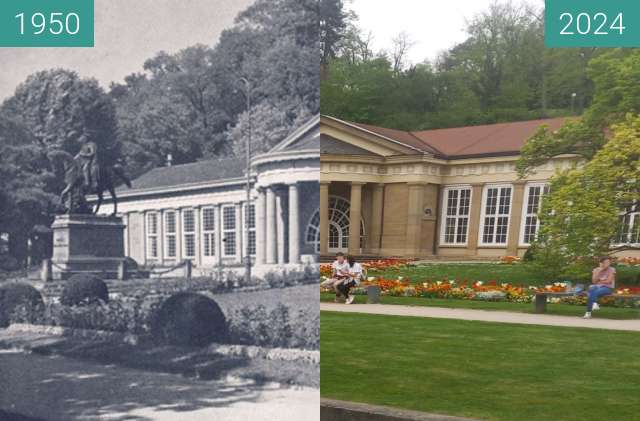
{"type": "Point", "coordinates": [484, 315]}
{"type": "Point", "coordinates": [49, 388]}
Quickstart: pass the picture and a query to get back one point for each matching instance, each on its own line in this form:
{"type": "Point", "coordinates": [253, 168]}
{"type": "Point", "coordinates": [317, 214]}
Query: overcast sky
{"type": "Point", "coordinates": [434, 25]}
{"type": "Point", "coordinates": [127, 33]}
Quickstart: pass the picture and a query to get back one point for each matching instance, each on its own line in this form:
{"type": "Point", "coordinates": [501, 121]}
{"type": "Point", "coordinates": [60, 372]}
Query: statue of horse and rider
{"type": "Point", "coordinates": [85, 174]}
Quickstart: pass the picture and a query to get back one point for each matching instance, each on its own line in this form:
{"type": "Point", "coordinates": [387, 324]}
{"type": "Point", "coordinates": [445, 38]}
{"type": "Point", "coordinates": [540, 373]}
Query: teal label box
{"type": "Point", "coordinates": [46, 23]}
{"type": "Point", "coordinates": [592, 23]}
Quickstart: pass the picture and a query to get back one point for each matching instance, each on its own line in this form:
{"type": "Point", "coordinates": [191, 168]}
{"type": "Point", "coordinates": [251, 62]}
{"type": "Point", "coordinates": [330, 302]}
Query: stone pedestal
{"type": "Point", "coordinates": [87, 244]}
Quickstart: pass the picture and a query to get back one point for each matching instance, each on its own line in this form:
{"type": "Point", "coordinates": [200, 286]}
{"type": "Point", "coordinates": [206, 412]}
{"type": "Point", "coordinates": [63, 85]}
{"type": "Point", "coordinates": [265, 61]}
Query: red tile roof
{"type": "Point", "coordinates": [461, 142]}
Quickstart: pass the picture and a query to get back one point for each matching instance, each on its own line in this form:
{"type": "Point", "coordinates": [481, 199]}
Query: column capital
{"type": "Point", "coordinates": [519, 182]}
{"type": "Point", "coordinates": [477, 184]}
{"type": "Point", "coordinates": [357, 183]}
{"type": "Point", "coordinates": [292, 183]}
{"type": "Point", "coordinates": [324, 182]}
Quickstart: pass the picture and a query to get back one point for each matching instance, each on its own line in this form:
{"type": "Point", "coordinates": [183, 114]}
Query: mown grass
{"type": "Point", "coordinates": [617, 313]}
{"type": "Point", "coordinates": [487, 371]}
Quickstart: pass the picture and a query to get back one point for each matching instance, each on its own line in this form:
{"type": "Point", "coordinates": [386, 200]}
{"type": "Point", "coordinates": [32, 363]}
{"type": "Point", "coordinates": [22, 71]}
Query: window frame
{"type": "Point", "coordinates": [166, 234]}
{"type": "Point", "coordinates": [252, 229]}
{"type": "Point", "coordinates": [634, 220]}
{"type": "Point", "coordinates": [185, 233]}
{"type": "Point", "coordinates": [225, 231]}
{"type": "Point", "coordinates": [483, 214]}
{"type": "Point", "coordinates": [444, 216]}
{"type": "Point", "coordinates": [212, 233]}
{"type": "Point", "coordinates": [524, 211]}
{"type": "Point", "coordinates": [148, 235]}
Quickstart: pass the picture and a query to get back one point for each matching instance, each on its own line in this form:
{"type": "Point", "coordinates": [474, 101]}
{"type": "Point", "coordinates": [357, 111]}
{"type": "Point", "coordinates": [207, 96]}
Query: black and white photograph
{"type": "Point", "coordinates": [160, 216]}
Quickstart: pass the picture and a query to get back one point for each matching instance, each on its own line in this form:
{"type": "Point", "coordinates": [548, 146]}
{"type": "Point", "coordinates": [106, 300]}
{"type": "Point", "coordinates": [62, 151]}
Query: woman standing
{"type": "Point", "coordinates": [603, 281]}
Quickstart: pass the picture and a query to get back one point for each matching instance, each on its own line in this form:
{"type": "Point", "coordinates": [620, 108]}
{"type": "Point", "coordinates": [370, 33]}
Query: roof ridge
{"type": "Point", "coordinates": [424, 142]}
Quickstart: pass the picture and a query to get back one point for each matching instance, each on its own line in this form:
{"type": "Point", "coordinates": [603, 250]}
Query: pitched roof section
{"type": "Point", "coordinates": [305, 137]}
{"type": "Point", "coordinates": [472, 141]}
{"type": "Point", "coordinates": [331, 145]}
{"type": "Point", "coordinates": [194, 173]}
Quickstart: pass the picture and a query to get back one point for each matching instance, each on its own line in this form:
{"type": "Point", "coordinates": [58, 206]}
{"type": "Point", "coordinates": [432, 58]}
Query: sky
{"type": "Point", "coordinates": [434, 25]}
{"type": "Point", "coordinates": [127, 33]}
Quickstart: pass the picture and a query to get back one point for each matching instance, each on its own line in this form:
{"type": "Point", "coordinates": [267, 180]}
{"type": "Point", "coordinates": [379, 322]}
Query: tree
{"type": "Point", "coordinates": [582, 216]}
{"type": "Point", "coordinates": [616, 79]}
{"type": "Point", "coordinates": [63, 111]}
{"type": "Point", "coordinates": [333, 26]}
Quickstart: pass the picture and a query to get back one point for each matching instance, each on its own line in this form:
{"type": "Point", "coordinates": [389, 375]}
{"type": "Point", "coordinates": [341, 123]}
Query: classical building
{"type": "Point", "coordinates": [199, 211]}
{"type": "Point", "coordinates": [448, 192]}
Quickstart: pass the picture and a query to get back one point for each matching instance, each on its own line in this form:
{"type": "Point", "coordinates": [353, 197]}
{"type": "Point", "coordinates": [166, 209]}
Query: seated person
{"type": "Point", "coordinates": [603, 279]}
{"type": "Point", "coordinates": [355, 276]}
{"type": "Point", "coordinates": [339, 273]}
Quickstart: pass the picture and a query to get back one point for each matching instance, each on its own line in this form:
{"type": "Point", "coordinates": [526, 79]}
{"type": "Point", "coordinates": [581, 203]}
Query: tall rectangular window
{"type": "Point", "coordinates": [456, 207]}
{"type": "Point", "coordinates": [188, 233]}
{"type": "Point", "coordinates": [229, 230]}
{"type": "Point", "coordinates": [251, 235]}
{"type": "Point", "coordinates": [170, 249]}
{"type": "Point", "coordinates": [209, 232]}
{"type": "Point", "coordinates": [630, 226]}
{"type": "Point", "coordinates": [152, 235]}
{"type": "Point", "coordinates": [496, 212]}
{"type": "Point", "coordinates": [531, 208]}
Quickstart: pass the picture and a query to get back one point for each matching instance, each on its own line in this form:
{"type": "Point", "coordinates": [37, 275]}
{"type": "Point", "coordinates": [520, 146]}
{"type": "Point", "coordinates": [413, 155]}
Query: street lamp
{"type": "Point", "coordinates": [573, 101]}
{"type": "Point", "coordinates": [247, 257]}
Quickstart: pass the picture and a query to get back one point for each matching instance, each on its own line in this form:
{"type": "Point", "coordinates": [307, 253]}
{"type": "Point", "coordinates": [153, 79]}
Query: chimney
{"type": "Point", "coordinates": [169, 159]}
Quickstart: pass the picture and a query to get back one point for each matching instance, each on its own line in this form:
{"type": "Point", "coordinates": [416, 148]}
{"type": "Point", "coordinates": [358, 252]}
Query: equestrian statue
{"type": "Point", "coordinates": [85, 174]}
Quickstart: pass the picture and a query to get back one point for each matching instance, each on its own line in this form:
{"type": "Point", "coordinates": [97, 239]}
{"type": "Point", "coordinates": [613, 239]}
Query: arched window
{"type": "Point", "coordinates": [338, 226]}
{"type": "Point", "coordinates": [313, 231]}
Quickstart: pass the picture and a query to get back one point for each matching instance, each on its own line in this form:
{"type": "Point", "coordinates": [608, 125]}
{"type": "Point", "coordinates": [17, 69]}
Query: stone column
{"type": "Point", "coordinates": [324, 217]}
{"type": "Point", "coordinates": [473, 230]}
{"type": "Point", "coordinates": [294, 224]}
{"type": "Point", "coordinates": [415, 212]}
{"type": "Point", "coordinates": [240, 252]}
{"type": "Point", "coordinates": [516, 218]}
{"type": "Point", "coordinates": [271, 227]}
{"type": "Point", "coordinates": [125, 221]}
{"type": "Point", "coordinates": [375, 233]}
{"type": "Point", "coordinates": [260, 227]}
{"type": "Point", "coordinates": [218, 233]}
{"type": "Point", "coordinates": [281, 225]}
{"type": "Point", "coordinates": [355, 215]}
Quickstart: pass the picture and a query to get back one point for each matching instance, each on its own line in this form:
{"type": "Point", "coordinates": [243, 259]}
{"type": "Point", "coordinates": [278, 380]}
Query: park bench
{"type": "Point", "coordinates": [540, 300]}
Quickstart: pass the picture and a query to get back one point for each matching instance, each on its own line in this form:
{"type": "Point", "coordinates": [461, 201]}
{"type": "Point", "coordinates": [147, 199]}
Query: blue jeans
{"type": "Point", "coordinates": [595, 292]}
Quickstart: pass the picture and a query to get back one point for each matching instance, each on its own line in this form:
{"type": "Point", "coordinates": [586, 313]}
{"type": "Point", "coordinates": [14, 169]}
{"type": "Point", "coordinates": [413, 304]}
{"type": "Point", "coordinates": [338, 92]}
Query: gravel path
{"type": "Point", "coordinates": [485, 316]}
{"type": "Point", "coordinates": [59, 388]}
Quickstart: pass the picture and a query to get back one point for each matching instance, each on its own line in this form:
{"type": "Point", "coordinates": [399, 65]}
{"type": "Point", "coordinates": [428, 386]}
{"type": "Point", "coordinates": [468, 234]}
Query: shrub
{"type": "Point", "coordinates": [8, 263]}
{"type": "Point", "coordinates": [84, 289]}
{"type": "Point", "coordinates": [189, 319]}
{"type": "Point", "coordinates": [14, 295]}
{"type": "Point", "coordinates": [280, 327]}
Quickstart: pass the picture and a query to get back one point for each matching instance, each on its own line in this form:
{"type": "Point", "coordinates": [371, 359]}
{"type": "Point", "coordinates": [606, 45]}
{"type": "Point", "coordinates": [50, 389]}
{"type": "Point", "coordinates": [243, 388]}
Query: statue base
{"type": "Point", "coordinates": [87, 244]}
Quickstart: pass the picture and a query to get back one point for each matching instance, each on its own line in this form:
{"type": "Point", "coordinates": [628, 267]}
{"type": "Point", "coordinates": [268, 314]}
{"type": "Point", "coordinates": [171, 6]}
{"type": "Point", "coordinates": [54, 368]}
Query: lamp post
{"type": "Point", "coordinates": [247, 257]}
{"type": "Point", "coordinates": [573, 102]}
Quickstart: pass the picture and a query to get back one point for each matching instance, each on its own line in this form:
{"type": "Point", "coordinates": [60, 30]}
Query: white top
{"type": "Point", "coordinates": [356, 270]}
{"type": "Point", "coordinates": [339, 267]}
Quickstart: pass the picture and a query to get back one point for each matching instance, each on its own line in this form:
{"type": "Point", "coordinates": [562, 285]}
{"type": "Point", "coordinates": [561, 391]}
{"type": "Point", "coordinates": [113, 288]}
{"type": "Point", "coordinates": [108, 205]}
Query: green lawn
{"type": "Point", "coordinates": [487, 371]}
{"type": "Point", "coordinates": [555, 309]}
{"type": "Point", "coordinates": [517, 274]}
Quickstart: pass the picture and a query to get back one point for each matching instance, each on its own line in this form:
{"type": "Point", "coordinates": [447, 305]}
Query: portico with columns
{"type": "Point", "coordinates": [443, 193]}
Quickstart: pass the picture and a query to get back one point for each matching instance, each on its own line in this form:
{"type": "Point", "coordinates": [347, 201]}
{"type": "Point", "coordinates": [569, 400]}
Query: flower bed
{"type": "Point", "coordinates": [489, 291]}
{"type": "Point", "coordinates": [372, 265]}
